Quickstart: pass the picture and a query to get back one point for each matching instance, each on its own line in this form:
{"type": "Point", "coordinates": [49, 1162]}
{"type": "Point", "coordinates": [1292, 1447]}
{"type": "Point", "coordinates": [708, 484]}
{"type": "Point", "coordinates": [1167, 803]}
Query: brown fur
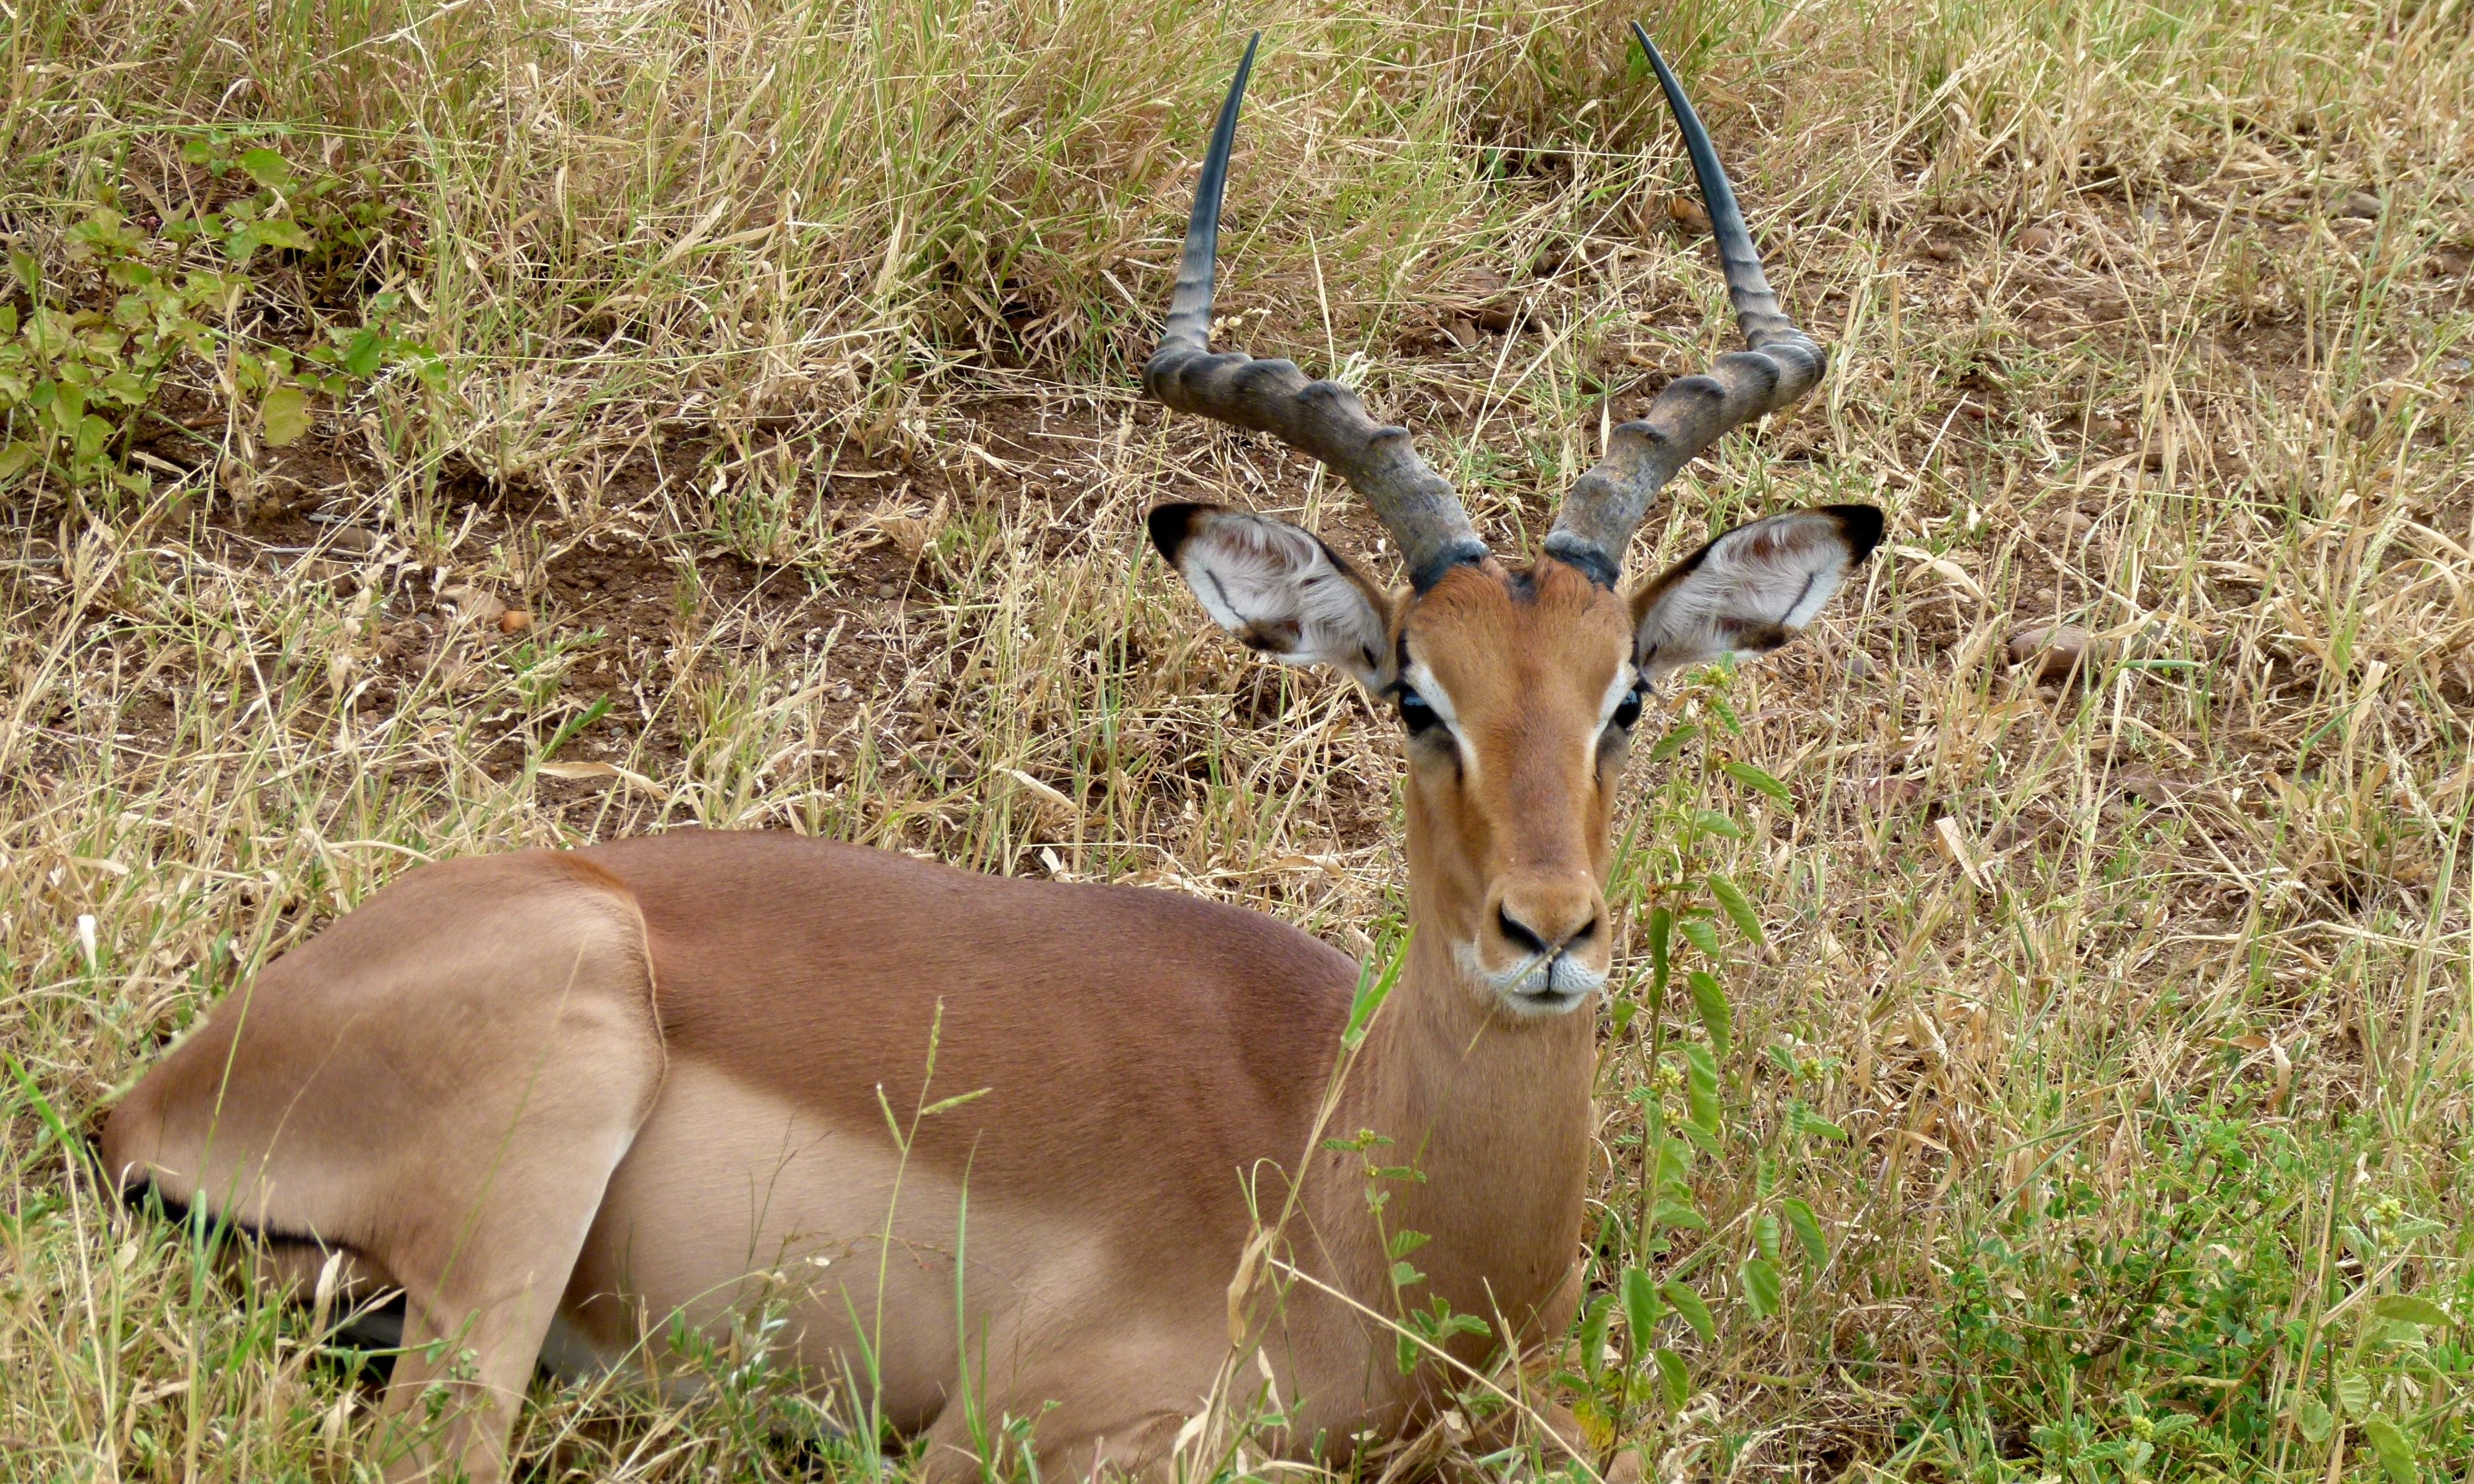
{"type": "Point", "coordinates": [561, 1096]}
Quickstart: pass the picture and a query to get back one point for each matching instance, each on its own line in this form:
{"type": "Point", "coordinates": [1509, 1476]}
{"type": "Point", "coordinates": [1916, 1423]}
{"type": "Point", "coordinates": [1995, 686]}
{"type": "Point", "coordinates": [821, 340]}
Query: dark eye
{"type": "Point", "coordinates": [1627, 710]}
{"type": "Point", "coordinates": [1417, 716]}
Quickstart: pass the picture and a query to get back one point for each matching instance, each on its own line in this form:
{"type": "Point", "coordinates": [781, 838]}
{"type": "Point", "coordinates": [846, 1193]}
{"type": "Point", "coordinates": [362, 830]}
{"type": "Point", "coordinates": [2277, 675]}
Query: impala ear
{"type": "Point", "coordinates": [1278, 589]}
{"type": "Point", "coordinates": [1752, 589]}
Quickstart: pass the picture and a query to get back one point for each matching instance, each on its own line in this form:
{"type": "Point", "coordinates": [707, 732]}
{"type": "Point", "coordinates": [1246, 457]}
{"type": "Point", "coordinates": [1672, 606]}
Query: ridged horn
{"type": "Point", "coordinates": [1607, 503]}
{"type": "Point", "coordinates": [1321, 419]}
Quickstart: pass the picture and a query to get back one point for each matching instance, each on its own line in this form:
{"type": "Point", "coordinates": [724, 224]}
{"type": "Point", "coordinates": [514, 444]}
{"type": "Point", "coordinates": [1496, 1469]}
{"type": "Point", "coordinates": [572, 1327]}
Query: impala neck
{"type": "Point", "coordinates": [1495, 1114]}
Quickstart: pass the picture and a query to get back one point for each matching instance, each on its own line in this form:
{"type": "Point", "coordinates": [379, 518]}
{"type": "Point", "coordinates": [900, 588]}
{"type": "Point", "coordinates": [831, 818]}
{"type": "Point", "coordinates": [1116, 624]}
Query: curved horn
{"type": "Point", "coordinates": [1322, 419]}
{"type": "Point", "coordinates": [1607, 503]}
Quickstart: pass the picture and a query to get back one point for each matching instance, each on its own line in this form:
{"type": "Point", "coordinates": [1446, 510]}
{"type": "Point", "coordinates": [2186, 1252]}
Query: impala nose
{"type": "Point", "coordinates": [1542, 919]}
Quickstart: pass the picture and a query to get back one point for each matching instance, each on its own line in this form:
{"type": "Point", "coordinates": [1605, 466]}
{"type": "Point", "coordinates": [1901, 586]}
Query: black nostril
{"type": "Point", "coordinates": [1589, 930]}
{"type": "Point", "coordinates": [1517, 932]}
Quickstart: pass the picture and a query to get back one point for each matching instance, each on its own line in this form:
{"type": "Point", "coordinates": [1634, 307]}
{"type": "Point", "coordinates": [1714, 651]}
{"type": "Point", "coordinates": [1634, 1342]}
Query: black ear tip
{"type": "Point", "coordinates": [1864, 525]}
{"type": "Point", "coordinates": [1171, 524]}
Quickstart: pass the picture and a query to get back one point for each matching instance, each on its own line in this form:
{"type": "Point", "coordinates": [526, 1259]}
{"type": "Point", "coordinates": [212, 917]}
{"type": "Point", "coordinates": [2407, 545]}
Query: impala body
{"type": "Point", "coordinates": [563, 1099]}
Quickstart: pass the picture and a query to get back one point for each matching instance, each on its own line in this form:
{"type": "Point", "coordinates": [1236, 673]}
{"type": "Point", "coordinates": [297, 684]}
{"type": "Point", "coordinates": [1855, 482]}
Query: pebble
{"type": "Point", "coordinates": [514, 620]}
{"type": "Point", "coordinates": [2038, 239]}
{"type": "Point", "coordinates": [2359, 205]}
{"type": "Point", "coordinates": [475, 605]}
{"type": "Point", "coordinates": [1688, 214]}
{"type": "Point", "coordinates": [2054, 649]}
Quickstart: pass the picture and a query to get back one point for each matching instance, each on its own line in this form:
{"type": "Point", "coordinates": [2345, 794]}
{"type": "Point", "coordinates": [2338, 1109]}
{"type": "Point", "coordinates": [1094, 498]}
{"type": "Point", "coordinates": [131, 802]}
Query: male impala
{"type": "Point", "coordinates": [558, 1097]}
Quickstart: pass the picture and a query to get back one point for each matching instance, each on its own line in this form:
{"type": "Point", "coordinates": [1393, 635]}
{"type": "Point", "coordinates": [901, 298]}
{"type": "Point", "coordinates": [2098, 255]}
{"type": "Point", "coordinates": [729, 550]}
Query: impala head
{"type": "Point", "coordinates": [1518, 685]}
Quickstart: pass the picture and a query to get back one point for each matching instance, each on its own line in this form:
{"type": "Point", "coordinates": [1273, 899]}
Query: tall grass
{"type": "Point", "coordinates": [807, 335]}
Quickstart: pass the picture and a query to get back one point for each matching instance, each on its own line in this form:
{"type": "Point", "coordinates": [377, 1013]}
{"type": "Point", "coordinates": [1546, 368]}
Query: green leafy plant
{"type": "Point", "coordinates": [132, 303]}
{"type": "Point", "coordinates": [1665, 1270]}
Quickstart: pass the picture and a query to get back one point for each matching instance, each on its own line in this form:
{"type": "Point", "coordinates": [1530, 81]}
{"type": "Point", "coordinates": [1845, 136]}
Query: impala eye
{"type": "Point", "coordinates": [1627, 710]}
{"type": "Point", "coordinates": [1416, 714]}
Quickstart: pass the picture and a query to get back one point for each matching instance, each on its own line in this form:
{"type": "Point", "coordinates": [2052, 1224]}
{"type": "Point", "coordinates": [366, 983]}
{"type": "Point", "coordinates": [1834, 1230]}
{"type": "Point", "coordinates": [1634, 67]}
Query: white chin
{"type": "Point", "coordinates": [1534, 991]}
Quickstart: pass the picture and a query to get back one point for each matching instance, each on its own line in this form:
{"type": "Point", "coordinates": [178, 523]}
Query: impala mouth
{"type": "Point", "coordinates": [1546, 984]}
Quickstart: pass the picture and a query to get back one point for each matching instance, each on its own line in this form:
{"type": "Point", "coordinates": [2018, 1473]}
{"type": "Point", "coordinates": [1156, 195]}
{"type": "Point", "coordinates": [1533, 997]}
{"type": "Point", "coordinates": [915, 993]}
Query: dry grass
{"type": "Point", "coordinates": [787, 388]}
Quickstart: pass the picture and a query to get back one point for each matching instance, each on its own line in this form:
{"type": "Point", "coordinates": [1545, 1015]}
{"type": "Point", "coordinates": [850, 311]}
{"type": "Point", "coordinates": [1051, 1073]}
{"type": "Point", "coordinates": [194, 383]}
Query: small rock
{"type": "Point", "coordinates": [353, 540]}
{"type": "Point", "coordinates": [2357, 205]}
{"type": "Point", "coordinates": [1497, 317]}
{"type": "Point", "coordinates": [1859, 665]}
{"type": "Point", "coordinates": [473, 605]}
{"type": "Point", "coordinates": [2055, 649]}
{"type": "Point", "coordinates": [1941, 252]}
{"type": "Point", "coordinates": [514, 620]}
{"type": "Point", "coordinates": [2075, 525]}
{"type": "Point", "coordinates": [884, 589]}
{"type": "Point", "coordinates": [2038, 239]}
{"type": "Point", "coordinates": [1462, 330]}
{"type": "Point", "coordinates": [1689, 213]}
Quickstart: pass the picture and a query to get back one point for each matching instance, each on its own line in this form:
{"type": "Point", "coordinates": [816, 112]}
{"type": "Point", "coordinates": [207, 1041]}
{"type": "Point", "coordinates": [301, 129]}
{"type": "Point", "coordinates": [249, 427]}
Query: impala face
{"type": "Point", "coordinates": [1517, 690]}
{"type": "Point", "coordinates": [1517, 687]}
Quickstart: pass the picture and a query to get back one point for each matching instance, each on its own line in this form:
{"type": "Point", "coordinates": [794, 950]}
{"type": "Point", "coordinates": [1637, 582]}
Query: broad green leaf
{"type": "Point", "coordinates": [2353, 1393]}
{"type": "Point", "coordinates": [1807, 1226]}
{"type": "Point", "coordinates": [277, 232]}
{"type": "Point", "coordinates": [2412, 1309]}
{"type": "Point", "coordinates": [1677, 1380]}
{"type": "Point", "coordinates": [1689, 1303]}
{"type": "Point", "coordinates": [1700, 1087]}
{"type": "Point", "coordinates": [1710, 822]}
{"type": "Point", "coordinates": [1754, 778]}
{"type": "Point", "coordinates": [1643, 1309]}
{"type": "Point", "coordinates": [284, 415]}
{"type": "Point", "coordinates": [15, 459]}
{"type": "Point", "coordinates": [1815, 1123]}
{"type": "Point", "coordinates": [1730, 898]}
{"type": "Point", "coordinates": [92, 433]}
{"type": "Point", "coordinates": [1709, 1003]}
{"type": "Point", "coordinates": [2314, 1418]}
{"type": "Point", "coordinates": [1762, 1289]}
{"type": "Point", "coordinates": [2389, 1442]}
{"type": "Point", "coordinates": [1700, 934]}
{"type": "Point", "coordinates": [1673, 742]}
{"type": "Point", "coordinates": [267, 168]}
{"type": "Point", "coordinates": [364, 356]}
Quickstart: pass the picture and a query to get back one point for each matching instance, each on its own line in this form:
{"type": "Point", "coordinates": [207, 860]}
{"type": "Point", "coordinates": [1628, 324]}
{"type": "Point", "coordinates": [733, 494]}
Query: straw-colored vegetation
{"type": "Point", "coordinates": [519, 422]}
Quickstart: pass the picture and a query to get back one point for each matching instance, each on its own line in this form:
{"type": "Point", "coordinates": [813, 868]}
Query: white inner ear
{"type": "Point", "coordinates": [1276, 586]}
{"type": "Point", "coordinates": [1756, 586]}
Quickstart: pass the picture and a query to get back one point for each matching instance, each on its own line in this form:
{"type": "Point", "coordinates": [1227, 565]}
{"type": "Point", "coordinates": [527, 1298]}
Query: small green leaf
{"type": "Point", "coordinates": [92, 433]}
{"type": "Point", "coordinates": [1595, 1324]}
{"type": "Point", "coordinates": [1700, 1087]}
{"type": "Point", "coordinates": [1689, 1303]}
{"type": "Point", "coordinates": [1767, 1235]}
{"type": "Point", "coordinates": [2389, 1442]}
{"type": "Point", "coordinates": [15, 459]}
{"type": "Point", "coordinates": [2411, 1310]}
{"type": "Point", "coordinates": [1405, 1242]}
{"type": "Point", "coordinates": [1761, 1287]}
{"type": "Point", "coordinates": [284, 415]}
{"type": "Point", "coordinates": [1754, 778]}
{"type": "Point", "coordinates": [1678, 1213]}
{"type": "Point", "coordinates": [1405, 1275]}
{"type": "Point", "coordinates": [1661, 924]}
{"type": "Point", "coordinates": [267, 168]}
{"type": "Point", "coordinates": [1704, 936]}
{"type": "Point", "coordinates": [1643, 1309]}
{"type": "Point", "coordinates": [1807, 1226]}
{"type": "Point", "coordinates": [1709, 1003]}
{"type": "Point", "coordinates": [1673, 742]}
{"type": "Point", "coordinates": [1815, 1123]}
{"type": "Point", "coordinates": [1730, 898]}
{"type": "Point", "coordinates": [277, 232]}
{"type": "Point", "coordinates": [1677, 1380]}
{"type": "Point", "coordinates": [1710, 822]}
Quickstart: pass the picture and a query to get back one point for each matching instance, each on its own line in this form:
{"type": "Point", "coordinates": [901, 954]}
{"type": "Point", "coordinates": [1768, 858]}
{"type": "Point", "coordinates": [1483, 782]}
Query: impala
{"type": "Point", "coordinates": [562, 1099]}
